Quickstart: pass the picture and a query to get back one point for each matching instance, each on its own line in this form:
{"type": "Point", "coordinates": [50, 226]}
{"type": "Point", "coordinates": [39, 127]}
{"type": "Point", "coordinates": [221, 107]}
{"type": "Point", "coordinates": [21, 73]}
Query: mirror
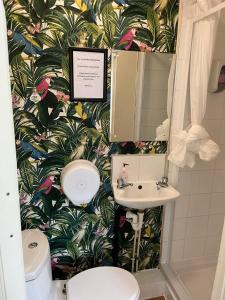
{"type": "Point", "coordinates": [139, 83]}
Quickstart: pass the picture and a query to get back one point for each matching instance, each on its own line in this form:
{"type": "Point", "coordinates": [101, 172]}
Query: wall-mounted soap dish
{"type": "Point", "coordinates": [217, 77]}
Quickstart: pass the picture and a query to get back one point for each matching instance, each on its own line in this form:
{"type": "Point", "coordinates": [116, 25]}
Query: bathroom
{"type": "Point", "coordinates": [180, 239]}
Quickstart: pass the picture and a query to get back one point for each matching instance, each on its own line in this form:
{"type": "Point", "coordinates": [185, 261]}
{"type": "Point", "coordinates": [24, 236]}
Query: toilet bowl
{"type": "Point", "coordinates": [100, 283]}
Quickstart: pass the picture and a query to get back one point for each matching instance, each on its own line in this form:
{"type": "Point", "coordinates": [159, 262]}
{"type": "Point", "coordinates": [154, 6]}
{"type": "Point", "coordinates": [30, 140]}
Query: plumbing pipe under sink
{"type": "Point", "coordinates": [140, 219]}
{"type": "Point", "coordinates": [136, 221]}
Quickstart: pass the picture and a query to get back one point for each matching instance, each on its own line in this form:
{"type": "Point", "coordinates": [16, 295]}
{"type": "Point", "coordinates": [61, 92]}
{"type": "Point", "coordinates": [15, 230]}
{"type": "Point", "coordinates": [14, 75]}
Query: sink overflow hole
{"type": "Point", "coordinates": [140, 187]}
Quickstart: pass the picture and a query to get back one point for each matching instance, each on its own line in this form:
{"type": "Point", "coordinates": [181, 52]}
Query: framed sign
{"type": "Point", "coordinates": [88, 74]}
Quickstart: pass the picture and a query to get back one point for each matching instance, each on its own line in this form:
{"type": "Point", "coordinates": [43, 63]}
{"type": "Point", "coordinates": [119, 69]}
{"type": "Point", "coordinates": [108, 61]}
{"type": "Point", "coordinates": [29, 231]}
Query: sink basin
{"type": "Point", "coordinates": [144, 195]}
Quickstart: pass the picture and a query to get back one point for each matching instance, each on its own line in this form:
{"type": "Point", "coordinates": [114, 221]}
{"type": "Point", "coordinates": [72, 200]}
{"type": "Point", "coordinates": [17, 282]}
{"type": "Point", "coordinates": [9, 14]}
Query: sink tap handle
{"type": "Point", "coordinates": [120, 182]}
{"type": "Point", "coordinates": [164, 180]}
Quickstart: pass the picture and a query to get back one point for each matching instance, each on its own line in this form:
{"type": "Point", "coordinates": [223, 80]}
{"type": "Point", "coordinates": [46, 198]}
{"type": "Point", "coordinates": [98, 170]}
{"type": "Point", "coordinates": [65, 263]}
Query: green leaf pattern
{"type": "Point", "coordinates": [51, 131]}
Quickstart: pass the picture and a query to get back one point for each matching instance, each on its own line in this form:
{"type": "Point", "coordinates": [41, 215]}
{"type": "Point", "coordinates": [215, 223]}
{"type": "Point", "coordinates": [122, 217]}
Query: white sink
{"type": "Point", "coordinates": [144, 195]}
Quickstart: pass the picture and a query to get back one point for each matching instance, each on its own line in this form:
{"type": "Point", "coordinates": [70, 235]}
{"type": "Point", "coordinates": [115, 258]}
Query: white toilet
{"type": "Point", "coordinates": [101, 283]}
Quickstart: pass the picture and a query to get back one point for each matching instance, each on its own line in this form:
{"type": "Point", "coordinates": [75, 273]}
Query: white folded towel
{"type": "Point", "coordinates": [189, 143]}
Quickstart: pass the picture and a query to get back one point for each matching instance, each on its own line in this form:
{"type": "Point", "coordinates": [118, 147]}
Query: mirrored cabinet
{"type": "Point", "coordinates": [139, 94]}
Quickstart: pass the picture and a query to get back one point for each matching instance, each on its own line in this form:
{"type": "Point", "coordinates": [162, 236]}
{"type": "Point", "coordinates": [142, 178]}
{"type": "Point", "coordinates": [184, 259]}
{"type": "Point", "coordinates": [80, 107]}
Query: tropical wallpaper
{"type": "Point", "coordinates": [51, 131]}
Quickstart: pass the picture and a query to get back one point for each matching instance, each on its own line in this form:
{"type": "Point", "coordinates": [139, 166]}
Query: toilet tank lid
{"type": "Point", "coordinates": [35, 252]}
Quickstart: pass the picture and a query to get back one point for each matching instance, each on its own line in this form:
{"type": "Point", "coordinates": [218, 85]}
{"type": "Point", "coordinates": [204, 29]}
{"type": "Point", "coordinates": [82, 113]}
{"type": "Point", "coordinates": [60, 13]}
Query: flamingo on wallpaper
{"type": "Point", "coordinates": [43, 87]}
{"type": "Point", "coordinates": [39, 93]}
{"type": "Point", "coordinates": [128, 38]}
{"type": "Point", "coordinates": [44, 188]}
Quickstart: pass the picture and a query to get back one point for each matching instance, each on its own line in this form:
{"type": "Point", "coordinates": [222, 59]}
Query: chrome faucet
{"type": "Point", "coordinates": [121, 184]}
{"type": "Point", "coordinates": [162, 183]}
{"type": "Point", "coordinates": [121, 181]}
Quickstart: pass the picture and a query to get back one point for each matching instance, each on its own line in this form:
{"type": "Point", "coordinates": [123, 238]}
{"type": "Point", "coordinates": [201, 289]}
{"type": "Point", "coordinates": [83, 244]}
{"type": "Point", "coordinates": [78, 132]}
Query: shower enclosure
{"type": "Point", "coordinates": [197, 237]}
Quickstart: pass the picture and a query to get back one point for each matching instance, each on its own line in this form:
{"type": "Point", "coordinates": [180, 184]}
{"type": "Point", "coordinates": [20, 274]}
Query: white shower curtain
{"type": "Point", "coordinates": [195, 140]}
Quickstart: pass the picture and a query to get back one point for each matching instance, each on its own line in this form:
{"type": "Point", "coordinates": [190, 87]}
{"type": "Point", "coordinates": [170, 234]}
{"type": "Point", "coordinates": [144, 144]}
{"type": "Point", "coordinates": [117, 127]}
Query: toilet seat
{"type": "Point", "coordinates": [103, 283]}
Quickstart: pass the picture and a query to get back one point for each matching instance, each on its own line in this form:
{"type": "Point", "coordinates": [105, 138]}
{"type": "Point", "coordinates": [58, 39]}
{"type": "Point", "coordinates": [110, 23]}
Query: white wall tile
{"type": "Point", "coordinates": [214, 129]}
{"type": "Point", "coordinates": [222, 133]}
{"type": "Point", "coordinates": [215, 225]}
{"type": "Point", "coordinates": [151, 167]}
{"type": "Point", "coordinates": [194, 248]}
{"type": "Point", "coordinates": [218, 52]}
{"type": "Point", "coordinates": [177, 250]}
{"type": "Point", "coordinates": [217, 203]}
{"type": "Point", "coordinates": [220, 160]}
{"type": "Point", "coordinates": [204, 165]}
{"type": "Point", "coordinates": [201, 182]}
{"type": "Point", "coordinates": [199, 205]}
{"type": "Point", "coordinates": [181, 206]}
{"type": "Point", "coordinates": [219, 181]}
{"type": "Point", "coordinates": [212, 246]}
{"type": "Point", "coordinates": [179, 229]}
{"type": "Point", "coordinates": [140, 167]}
{"type": "Point", "coordinates": [197, 227]}
{"type": "Point", "coordinates": [215, 105]}
{"type": "Point", "coordinates": [223, 114]}
{"type": "Point", "coordinates": [132, 168]}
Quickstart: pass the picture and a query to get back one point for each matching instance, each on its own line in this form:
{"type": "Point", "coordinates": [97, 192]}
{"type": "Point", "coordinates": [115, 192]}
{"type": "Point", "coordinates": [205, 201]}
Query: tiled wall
{"type": "Point", "coordinates": [200, 211]}
{"type": "Point", "coordinates": [139, 168]}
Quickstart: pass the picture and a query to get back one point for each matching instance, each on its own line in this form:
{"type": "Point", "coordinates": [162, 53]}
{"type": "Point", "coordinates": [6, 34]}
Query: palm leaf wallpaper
{"type": "Point", "coordinates": [51, 131]}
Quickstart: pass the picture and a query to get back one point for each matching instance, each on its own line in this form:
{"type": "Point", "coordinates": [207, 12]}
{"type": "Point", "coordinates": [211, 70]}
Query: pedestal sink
{"type": "Point", "coordinates": [144, 195]}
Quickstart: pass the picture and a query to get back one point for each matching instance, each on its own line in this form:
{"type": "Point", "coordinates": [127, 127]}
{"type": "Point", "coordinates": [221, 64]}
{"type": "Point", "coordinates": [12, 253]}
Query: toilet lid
{"type": "Point", "coordinates": [103, 283]}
